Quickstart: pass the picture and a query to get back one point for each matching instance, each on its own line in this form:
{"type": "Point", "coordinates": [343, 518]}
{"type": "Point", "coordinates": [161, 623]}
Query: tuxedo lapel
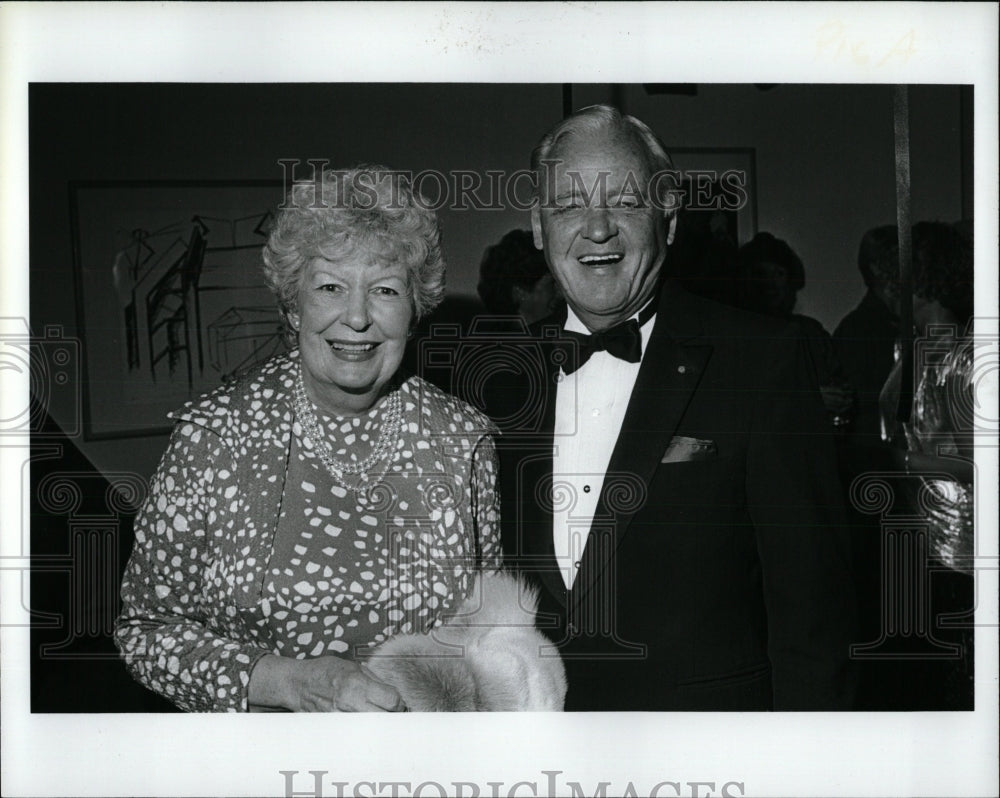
{"type": "Point", "coordinates": [672, 367]}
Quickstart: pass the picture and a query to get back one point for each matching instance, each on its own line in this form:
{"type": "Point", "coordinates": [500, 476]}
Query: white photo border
{"type": "Point", "coordinates": [770, 755]}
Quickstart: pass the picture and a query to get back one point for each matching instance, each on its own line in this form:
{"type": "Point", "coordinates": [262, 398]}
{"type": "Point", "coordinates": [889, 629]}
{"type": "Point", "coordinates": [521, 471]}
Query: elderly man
{"type": "Point", "coordinates": [667, 477]}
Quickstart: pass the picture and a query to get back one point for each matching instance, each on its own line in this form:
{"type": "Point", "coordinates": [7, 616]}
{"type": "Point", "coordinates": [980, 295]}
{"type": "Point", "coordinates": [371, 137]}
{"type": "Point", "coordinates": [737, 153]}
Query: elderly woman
{"type": "Point", "coordinates": [324, 503]}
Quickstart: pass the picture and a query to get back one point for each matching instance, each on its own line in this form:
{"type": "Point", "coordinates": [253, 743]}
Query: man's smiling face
{"type": "Point", "coordinates": [604, 239]}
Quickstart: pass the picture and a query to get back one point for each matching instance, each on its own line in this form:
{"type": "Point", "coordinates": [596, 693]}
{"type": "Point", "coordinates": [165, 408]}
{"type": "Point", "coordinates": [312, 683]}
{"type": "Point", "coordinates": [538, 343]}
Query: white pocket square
{"type": "Point", "coordinates": [683, 450]}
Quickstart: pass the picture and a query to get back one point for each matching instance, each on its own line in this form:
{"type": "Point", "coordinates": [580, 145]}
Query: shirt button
{"type": "Point", "coordinates": [586, 488]}
{"type": "Point", "coordinates": [681, 369]}
{"type": "Point", "coordinates": [577, 565]}
{"type": "Point", "coordinates": [596, 412]}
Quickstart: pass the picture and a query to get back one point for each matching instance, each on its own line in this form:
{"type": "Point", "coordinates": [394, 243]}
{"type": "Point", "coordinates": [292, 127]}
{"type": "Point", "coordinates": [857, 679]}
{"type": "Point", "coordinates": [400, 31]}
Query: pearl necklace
{"type": "Point", "coordinates": [387, 439]}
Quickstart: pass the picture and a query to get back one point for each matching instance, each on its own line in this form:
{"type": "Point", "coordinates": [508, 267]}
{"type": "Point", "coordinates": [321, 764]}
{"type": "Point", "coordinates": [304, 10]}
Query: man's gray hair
{"type": "Point", "coordinates": [596, 118]}
{"type": "Point", "coordinates": [605, 119]}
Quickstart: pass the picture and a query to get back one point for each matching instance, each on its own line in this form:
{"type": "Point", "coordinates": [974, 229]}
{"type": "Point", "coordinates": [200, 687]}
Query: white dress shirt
{"type": "Point", "coordinates": [590, 409]}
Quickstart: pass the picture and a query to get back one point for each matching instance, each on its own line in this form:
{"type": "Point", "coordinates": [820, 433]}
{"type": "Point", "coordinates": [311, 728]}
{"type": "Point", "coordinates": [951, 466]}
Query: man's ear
{"type": "Point", "coordinates": [536, 225]}
{"type": "Point", "coordinates": [671, 226]}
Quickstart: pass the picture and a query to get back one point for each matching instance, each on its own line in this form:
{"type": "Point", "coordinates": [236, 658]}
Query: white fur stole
{"type": "Point", "coordinates": [487, 657]}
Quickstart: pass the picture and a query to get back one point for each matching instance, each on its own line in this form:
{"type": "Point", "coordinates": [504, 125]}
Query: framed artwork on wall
{"type": "Point", "coordinates": [171, 299]}
{"type": "Point", "coordinates": [718, 215]}
{"type": "Point", "coordinates": [721, 181]}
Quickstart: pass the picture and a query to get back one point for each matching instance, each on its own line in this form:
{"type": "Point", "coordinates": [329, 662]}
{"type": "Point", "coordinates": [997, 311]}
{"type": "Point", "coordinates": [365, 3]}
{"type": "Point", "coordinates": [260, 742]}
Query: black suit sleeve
{"type": "Point", "coordinates": [796, 504]}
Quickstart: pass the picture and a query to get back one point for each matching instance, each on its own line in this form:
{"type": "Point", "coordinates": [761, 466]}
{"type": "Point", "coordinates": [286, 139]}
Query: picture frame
{"type": "Point", "coordinates": [715, 163]}
{"type": "Point", "coordinates": [717, 215]}
{"type": "Point", "coordinates": [171, 298]}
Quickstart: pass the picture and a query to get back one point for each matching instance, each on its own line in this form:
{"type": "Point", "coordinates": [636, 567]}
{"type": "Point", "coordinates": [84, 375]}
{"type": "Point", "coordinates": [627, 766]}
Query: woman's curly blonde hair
{"type": "Point", "coordinates": [371, 210]}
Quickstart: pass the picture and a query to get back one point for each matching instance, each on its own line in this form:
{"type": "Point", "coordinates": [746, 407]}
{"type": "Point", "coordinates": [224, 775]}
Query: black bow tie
{"type": "Point", "coordinates": [623, 341]}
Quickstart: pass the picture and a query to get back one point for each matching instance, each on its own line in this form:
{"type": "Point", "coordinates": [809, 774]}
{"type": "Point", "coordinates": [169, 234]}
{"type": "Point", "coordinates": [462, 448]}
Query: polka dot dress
{"type": "Point", "coordinates": [246, 545]}
{"type": "Point", "coordinates": [352, 568]}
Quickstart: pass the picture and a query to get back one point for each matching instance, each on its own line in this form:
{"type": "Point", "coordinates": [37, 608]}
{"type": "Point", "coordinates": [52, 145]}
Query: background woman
{"type": "Point", "coordinates": [934, 450]}
{"type": "Point", "coordinates": [514, 279]}
{"type": "Point", "coordinates": [772, 277]}
{"type": "Point", "coordinates": [939, 434]}
{"type": "Point", "coordinates": [324, 502]}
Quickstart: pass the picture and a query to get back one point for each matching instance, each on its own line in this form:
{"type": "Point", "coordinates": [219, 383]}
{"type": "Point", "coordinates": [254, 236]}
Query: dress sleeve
{"type": "Point", "coordinates": [486, 505]}
{"type": "Point", "coordinates": [165, 631]}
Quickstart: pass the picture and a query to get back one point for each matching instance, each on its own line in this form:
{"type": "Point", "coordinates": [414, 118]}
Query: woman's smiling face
{"type": "Point", "coordinates": [354, 318]}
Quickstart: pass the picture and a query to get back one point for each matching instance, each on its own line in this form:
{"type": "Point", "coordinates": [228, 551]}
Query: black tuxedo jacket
{"type": "Point", "coordinates": [716, 573]}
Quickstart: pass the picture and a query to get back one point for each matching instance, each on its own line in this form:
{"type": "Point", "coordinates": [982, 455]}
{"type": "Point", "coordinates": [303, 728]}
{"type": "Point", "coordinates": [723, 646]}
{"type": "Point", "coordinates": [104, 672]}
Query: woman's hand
{"type": "Point", "coordinates": [331, 684]}
{"type": "Point", "coordinates": [934, 466]}
{"type": "Point", "coordinates": [324, 684]}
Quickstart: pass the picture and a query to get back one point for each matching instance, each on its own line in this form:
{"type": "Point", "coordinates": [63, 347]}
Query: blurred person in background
{"type": "Point", "coordinates": [865, 338]}
{"type": "Point", "coordinates": [514, 279]}
{"type": "Point", "coordinates": [772, 275]}
{"type": "Point", "coordinates": [703, 257]}
{"type": "Point", "coordinates": [934, 447]}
